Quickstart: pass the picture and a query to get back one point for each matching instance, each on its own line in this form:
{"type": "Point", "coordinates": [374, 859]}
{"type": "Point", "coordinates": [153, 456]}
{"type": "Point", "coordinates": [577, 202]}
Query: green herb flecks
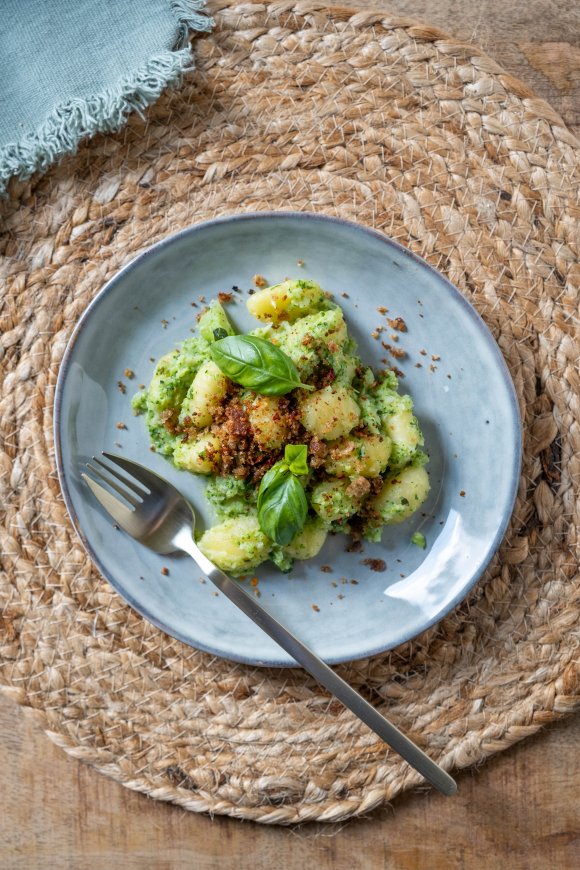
{"type": "Point", "coordinates": [256, 364]}
{"type": "Point", "coordinates": [418, 538]}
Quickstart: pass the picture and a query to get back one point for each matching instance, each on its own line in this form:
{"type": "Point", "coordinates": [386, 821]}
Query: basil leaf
{"type": "Point", "coordinates": [296, 455]}
{"type": "Point", "coordinates": [219, 333]}
{"type": "Point", "coordinates": [284, 510]}
{"type": "Point", "coordinates": [272, 478]}
{"type": "Point", "coordinates": [257, 364]}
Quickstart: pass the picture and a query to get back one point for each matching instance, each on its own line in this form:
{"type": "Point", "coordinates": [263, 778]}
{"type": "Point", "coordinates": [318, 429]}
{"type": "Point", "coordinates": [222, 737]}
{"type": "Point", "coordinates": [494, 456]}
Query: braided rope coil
{"type": "Point", "coordinates": [393, 124]}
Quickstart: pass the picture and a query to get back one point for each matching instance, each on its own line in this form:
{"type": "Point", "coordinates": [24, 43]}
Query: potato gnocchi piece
{"type": "Point", "coordinates": [329, 413]}
{"type": "Point", "coordinates": [311, 338]}
{"type": "Point", "coordinates": [403, 430]}
{"type": "Point", "coordinates": [359, 456]}
{"type": "Point", "coordinates": [171, 379]}
{"type": "Point", "coordinates": [269, 427]}
{"type": "Point", "coordinates": [286, 301]}
{"type": "Point", "coordinates": [401, 495]}
{"type": "Point", "coordinates": [332, 502]}
{"type": "Point", "coordinates": [236, 545]}
{"type": "Point", "coordinates": [200, 456]}
{"type": "Point", "coordinates": [206, 391]}
{"type": "Point", "coordinates": [309, 542]}
{"type": "Point", "coordinates": [323, 328]}
{"type": "Point", "coordinates": [214, 319]}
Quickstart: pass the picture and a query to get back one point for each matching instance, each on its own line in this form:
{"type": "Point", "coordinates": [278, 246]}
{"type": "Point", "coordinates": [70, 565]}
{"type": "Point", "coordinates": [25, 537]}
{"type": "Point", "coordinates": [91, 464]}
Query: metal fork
{"type": "Point", "coordinates": [155, 513]}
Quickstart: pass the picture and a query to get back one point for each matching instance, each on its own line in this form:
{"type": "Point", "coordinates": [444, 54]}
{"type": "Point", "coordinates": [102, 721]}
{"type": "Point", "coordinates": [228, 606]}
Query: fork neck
{"type": "Point", "coordinates": [183, 540]}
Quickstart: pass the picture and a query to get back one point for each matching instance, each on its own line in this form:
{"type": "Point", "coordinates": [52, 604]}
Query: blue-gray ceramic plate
{"type": "Point", "coordinates": [463, 397]}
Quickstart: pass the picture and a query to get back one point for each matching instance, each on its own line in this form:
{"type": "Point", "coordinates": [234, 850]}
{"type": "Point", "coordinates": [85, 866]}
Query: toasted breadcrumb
{"type": "Point", "coordinates": [397, 323]}
{"type": "Point", "coordinates": [374, 565]}
{"type": "Point", "coordinates": [397, 352]}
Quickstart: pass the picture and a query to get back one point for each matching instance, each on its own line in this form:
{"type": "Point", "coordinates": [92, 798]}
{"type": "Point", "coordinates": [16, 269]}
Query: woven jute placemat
{"type": "Point", "coordinates": [395, 125]}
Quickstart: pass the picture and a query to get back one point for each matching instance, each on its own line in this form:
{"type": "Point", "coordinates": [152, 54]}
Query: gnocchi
{"type": "Point", "coordinates": [403, 430]}
{"type": "Point", "coordinates": [329, 413]}
{"type": "Point", "coordinates": [332, 501]}
{"type": "Point", "coordinates": [200, 456]}
{"type": "Point", "coordinates": [236, 545]}
{"type": "Point", "coordinates": [355, 464]}
{"type": "Point", "coordinates": [401, 495]}
{"type": "Point", "coordinates": [286, 301]}
{"type": "Point", "coordinates": [205, 393]}
{"type": "Point", "coordinates": [309, 542]}
{"type": "Point", "coordinates": [361, 456]}
{"type": "Point", "coordinates": [269, 426]}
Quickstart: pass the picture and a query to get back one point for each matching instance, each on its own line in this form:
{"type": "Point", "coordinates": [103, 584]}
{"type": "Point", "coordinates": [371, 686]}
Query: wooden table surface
{"type": "Point", "coordinates": [520, 810]}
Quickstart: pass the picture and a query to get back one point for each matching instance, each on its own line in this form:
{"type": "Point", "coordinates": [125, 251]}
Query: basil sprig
{"type": "Point", "coordinates": [296, 457]}
{"type": "Point", "coordinates": [257, 364]}
{"type": "Point", "coordinates": [282, 503]}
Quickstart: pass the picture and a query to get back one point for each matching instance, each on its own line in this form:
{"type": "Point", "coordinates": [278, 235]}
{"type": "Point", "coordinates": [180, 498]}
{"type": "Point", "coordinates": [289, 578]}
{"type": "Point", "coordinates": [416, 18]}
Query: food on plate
{"type": "Point", "coordinates": [297, 437]}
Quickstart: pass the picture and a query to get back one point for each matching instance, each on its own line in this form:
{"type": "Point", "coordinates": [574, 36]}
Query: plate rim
{"type": "Point", "coordinates": [483, 329]}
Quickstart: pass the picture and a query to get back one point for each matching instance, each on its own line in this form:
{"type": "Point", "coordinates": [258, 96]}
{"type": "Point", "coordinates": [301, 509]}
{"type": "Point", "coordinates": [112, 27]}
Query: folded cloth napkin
{"type": "Point", "coordinates": [71, 68]}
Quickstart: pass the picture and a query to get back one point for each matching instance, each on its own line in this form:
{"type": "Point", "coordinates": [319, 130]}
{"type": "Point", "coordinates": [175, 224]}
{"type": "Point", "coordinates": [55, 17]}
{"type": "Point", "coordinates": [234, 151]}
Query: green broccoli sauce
{"type": "Point", "coordinates": [282, 560]}
{"type": "Point", "coordinates": [418, 538]}
{"type": "Point", "coordinates": [315, 340]}
{"type": "Point", "coordinates": [230, 497]}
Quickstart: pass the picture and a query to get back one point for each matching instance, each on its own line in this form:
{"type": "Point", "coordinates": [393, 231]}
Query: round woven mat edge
{"type": "Point", "coordinates": [375, 796]}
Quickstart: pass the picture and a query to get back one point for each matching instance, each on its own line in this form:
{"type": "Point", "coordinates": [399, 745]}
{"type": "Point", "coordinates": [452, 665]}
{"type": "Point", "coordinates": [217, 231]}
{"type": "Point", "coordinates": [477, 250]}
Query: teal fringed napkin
{"type": "Point", "coordinates": [72, 68]}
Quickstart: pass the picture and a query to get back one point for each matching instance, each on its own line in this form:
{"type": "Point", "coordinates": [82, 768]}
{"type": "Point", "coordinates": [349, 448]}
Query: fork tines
{"type": "Point", "coordinates": [129, 488]}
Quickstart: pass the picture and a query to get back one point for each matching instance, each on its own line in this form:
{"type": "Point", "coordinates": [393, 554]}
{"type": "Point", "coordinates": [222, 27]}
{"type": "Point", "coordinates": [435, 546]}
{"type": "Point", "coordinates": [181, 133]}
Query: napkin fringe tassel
{"type": "Point", "coordinates": [71, 122]}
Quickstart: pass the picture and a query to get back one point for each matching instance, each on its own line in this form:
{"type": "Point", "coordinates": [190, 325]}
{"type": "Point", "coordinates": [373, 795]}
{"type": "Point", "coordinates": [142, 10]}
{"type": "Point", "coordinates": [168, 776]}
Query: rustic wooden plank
{"type": "Point", "coordinates": [520, 810]}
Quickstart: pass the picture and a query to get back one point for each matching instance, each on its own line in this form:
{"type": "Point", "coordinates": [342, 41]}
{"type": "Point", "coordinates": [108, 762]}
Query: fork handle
{"type": "Point", "coordinates": [324, 674]}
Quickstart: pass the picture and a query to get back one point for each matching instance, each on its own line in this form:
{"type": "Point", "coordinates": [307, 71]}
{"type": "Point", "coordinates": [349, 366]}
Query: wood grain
{"type": "Point", "coordinates": [520, 810]}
